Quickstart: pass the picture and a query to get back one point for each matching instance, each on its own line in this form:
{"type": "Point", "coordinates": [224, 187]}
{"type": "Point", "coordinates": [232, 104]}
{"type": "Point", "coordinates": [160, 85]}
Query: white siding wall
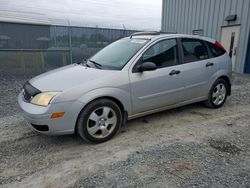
{"type": "Point", "coordinates": [184, 16]}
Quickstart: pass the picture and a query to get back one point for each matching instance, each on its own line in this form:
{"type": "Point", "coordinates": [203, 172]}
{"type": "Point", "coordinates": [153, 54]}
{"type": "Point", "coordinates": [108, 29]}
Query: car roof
{"type": "Point", "coordinates": [163, 36]}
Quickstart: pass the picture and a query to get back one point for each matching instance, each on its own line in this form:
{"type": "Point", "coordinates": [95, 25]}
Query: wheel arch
{"type": "Point", "coordinates": [221, 74]}
{"type": "Point", "coordinates": [120, 97]}
{"type": "Point", "coordinates": [226, 78]}
{"type": "Point", "coordinates": [118, 102]}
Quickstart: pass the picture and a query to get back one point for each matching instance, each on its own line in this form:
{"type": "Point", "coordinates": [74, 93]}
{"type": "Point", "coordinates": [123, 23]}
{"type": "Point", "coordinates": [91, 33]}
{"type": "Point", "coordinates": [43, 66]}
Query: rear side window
{"type": "Point", "coordinates": [216, 51]}
{"type": "Point", "coordinates": [194, 50]}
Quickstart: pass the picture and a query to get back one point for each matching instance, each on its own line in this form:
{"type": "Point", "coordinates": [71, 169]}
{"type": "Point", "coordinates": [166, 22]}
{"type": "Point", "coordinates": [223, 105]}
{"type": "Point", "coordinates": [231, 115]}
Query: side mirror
{"type": "Point", "coordinates": [147, 66]}
{"type": "Point", "coordinates": [84, 61]}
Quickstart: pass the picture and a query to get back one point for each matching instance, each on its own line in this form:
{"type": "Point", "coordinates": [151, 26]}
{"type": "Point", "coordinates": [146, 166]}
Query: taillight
{"type": "Point", "coordinates": [219, 45]}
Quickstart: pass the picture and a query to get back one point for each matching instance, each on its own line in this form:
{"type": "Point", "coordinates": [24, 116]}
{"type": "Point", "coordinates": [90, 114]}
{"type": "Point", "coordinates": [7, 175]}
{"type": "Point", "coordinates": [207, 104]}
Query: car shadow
{"type": "Point", "coordinates": [166, 113]}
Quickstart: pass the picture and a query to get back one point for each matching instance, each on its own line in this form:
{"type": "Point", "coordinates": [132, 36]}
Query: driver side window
{"type": "Point", "coordinates": [163, 54]}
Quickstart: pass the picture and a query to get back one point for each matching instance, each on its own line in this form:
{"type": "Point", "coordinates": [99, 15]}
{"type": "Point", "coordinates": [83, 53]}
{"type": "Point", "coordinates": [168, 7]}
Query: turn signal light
{"type": "Point", "coordinates": [57, 115]}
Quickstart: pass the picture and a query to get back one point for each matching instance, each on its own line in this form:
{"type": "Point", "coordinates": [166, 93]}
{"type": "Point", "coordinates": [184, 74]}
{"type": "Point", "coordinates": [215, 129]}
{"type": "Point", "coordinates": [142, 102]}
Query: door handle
{"type": "Point", "coordinates": [209, 64]}
{"type": "Point", "coordinates": [235, 50]}
{"type": "Point", "coordinates": [173, 72]}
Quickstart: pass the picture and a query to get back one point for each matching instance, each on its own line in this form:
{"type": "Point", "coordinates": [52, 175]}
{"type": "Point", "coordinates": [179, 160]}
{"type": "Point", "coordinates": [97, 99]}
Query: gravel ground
{"type": "Point", "coordinates": [191, 146]}
{"type": "Point", "coordinates": [10, 86]}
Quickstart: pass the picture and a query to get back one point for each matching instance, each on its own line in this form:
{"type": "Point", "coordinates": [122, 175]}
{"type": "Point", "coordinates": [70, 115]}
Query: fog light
{"type": "Point", "coordinates": [57, 115]}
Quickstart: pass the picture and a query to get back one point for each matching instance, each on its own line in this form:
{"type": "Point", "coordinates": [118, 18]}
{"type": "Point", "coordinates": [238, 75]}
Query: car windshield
{"type": "Point", "coordinates": [116, 55]}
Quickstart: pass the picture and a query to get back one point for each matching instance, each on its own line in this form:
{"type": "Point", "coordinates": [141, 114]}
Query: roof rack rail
{"type": "Point", "coordinates": [150, 33]}
{"type": "Point", "coordinates": [145, 33]}
{"type": "Point", "coordinates": [168, 32]}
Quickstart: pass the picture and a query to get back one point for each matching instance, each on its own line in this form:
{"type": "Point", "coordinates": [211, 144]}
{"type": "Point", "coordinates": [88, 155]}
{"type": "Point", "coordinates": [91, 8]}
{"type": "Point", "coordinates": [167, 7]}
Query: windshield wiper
{"type": "Point", "coordinates": [83, 62]}
{"type": "Point", "coordinates": [86, 64]}
{"type": "Point", "coordinates": [97, 65]}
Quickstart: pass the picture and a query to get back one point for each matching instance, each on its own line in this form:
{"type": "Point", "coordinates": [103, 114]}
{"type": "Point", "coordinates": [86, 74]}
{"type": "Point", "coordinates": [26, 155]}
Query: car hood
{"type": "Point", "coordinates": [67, 77]}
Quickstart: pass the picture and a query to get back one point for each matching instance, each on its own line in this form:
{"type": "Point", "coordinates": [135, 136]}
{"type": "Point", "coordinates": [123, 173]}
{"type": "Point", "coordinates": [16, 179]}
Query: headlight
{"type": "Point", "coordinates": [43, 99]}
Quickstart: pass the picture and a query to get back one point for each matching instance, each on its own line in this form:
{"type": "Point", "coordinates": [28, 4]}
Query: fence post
{"type": "Point", "coordinates": [70, 44]}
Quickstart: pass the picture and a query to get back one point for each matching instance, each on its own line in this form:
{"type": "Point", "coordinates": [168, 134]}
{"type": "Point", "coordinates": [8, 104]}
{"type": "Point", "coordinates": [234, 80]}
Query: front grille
{"type": "Point", "coordinates": [29, 91]}
{"type": "Point", "coordinates": [26, 95]}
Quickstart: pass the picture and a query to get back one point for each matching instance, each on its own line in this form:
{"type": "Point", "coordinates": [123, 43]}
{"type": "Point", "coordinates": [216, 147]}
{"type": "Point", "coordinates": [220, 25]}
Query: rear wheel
{"type": "Point", "coordinates": [218, 94]}
{"type": "Point", "coordinates": [99, 121]}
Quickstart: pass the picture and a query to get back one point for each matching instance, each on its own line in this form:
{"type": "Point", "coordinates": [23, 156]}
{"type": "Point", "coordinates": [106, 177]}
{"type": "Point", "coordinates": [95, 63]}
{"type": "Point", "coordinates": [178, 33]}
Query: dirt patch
{"type": "Point", "coordinates": [224, 146]}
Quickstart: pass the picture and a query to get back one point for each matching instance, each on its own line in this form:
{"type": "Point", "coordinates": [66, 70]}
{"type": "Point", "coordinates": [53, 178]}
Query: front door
{"type": "Point", "coordinates": [161, 87]}
{"type": "Point", "coordinates": [229, 39]}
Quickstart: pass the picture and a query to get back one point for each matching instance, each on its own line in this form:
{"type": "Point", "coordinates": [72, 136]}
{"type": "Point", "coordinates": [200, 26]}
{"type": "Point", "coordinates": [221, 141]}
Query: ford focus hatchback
{"type": "Point", "coordinates": [132, 77]}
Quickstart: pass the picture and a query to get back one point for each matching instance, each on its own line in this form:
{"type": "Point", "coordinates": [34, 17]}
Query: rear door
{"type": "Point", "coordinates": [197, 68]}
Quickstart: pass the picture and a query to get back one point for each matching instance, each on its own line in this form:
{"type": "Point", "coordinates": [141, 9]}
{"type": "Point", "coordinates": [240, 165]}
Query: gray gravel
{"type": "Point", "coordinates": [10, 86]}
{"type": "Point", "coordinates": [219, 162]}
{"type": "Point", "coordinates": [191, 146]}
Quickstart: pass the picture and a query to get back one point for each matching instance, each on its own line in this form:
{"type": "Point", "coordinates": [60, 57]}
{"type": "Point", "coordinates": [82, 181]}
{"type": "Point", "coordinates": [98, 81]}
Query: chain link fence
{"type": "Point", "coordinates": [29, 49]}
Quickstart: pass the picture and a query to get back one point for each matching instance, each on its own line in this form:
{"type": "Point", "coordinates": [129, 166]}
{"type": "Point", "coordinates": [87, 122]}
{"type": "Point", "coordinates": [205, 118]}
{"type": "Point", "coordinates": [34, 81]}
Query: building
{"type": "Point", "coordinates": [227, 21]}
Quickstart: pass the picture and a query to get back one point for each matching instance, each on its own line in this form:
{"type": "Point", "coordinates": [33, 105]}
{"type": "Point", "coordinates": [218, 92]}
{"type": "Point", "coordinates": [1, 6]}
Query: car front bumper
{"type": "Point", "coordinates": [40, 117]}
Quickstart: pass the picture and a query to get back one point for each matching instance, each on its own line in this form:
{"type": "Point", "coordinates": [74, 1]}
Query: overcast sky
{"type": "Point", "coordinates": [136, 14]}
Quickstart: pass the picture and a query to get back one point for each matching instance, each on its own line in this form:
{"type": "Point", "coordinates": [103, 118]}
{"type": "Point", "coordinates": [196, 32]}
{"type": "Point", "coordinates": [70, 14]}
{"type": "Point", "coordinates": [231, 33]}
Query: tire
{"type": "Point", "coordinates": [99, 121]}
{"type": "Point", "coordinates": [217, 95]}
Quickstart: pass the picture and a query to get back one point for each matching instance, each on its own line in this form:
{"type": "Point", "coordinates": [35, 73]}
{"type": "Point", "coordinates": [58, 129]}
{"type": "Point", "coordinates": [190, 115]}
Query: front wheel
{"type": "Point", "coordinates": [218, 94]}
{"type": "Point", "coordinates": [99, 121]}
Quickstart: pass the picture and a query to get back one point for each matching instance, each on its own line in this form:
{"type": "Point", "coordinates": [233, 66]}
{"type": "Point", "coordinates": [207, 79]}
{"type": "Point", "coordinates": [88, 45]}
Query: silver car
{"type": "Point", "coordinates": [142, 74]}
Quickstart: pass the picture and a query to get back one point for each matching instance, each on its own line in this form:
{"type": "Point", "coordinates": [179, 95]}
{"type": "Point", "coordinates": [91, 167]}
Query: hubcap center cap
{"type": "Point", "coordinates": [102, 121]}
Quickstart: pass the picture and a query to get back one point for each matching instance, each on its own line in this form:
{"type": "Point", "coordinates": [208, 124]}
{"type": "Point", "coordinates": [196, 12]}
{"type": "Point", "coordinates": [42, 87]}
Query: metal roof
{"type": "Point", "coordinates": [83, 13]}
{"type": "Point", "coordinates": [41, 19]}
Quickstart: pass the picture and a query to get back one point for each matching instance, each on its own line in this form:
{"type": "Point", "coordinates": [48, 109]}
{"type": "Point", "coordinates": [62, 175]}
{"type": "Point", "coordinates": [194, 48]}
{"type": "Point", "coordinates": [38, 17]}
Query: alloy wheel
{"type": "Point", "coordinates": [219, 94]}
{"type": "Point", "coordinates": [101, 122]}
